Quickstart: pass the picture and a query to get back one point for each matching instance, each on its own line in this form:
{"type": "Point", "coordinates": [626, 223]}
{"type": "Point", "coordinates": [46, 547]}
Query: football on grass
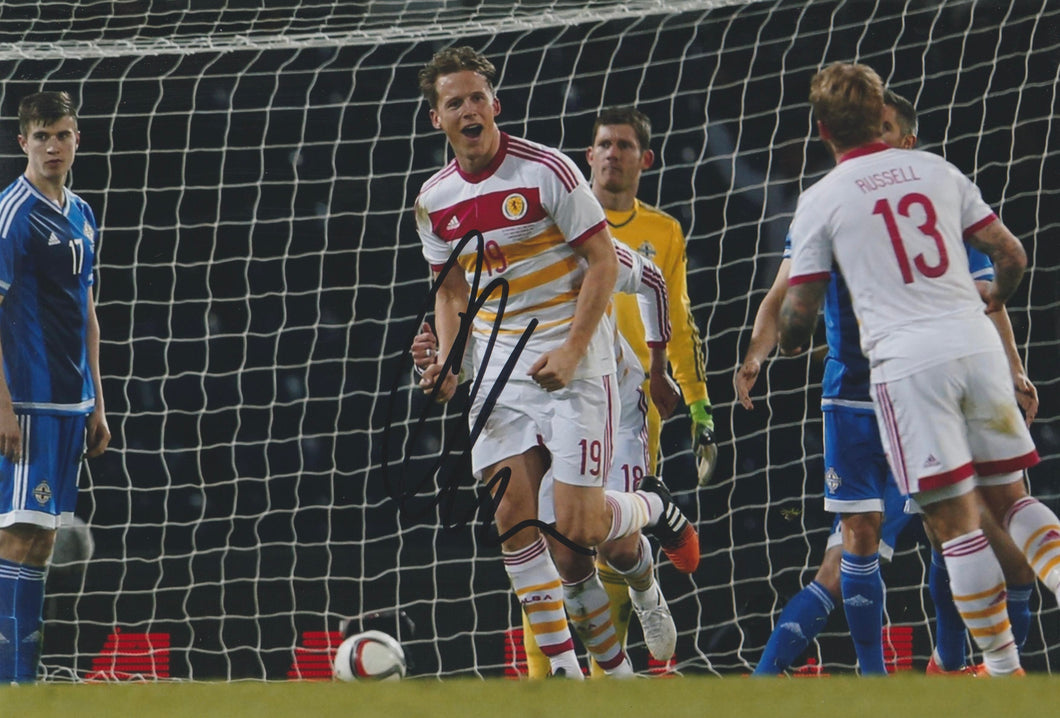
{"type": "Point", "coordinates": [369, 656]}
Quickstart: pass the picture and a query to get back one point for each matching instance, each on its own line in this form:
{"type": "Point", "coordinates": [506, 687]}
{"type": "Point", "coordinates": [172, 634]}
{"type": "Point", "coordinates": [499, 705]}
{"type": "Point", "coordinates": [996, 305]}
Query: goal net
{"type": "Point", "coordinates": [253, 165]}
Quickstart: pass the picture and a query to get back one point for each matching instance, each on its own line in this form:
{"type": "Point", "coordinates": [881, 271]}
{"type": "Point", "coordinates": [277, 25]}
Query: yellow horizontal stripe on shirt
{"type": "Point", "coordinates": [565, 297]}
{"type": "Point", "coordinates": [518, 251]}
{"type": "Point", "coordinates": [527, 248]}
{"type": "Point", "coordinates": [543, 276]}
{"type": "Point", "coordinates": [532, 280]}
{"type": "Point", "coordinates": [540, 327]}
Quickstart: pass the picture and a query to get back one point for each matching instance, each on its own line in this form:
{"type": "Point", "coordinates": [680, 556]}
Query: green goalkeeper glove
{"type": "Point", "coordinates": [703, 444]}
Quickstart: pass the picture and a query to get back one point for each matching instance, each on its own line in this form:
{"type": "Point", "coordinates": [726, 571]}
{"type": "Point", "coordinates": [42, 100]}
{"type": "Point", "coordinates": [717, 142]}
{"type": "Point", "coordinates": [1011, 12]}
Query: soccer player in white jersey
{"type": "Point", "coordinates": [51, 399]}
{"type": "Point", "coordinates": [543, 239]}
{"type": "Point", "coordinates": [629, 559]}
{"type": "Point", "coordinates": [895, 223]}
{"type": "Point", "coordinates": [855, 460]}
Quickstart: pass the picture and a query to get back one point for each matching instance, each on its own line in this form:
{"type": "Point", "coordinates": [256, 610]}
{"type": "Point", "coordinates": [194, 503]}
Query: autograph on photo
{"type": "Point", "coordinates": [445, 496]}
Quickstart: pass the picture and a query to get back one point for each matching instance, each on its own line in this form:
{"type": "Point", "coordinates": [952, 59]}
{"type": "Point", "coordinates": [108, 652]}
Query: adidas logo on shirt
{"type": "Point", "coordinates": [453, 223]}
{"type": "Point", "coordinates": [52, 239]}
{"type": "Point", "coordinates": [931, 461]}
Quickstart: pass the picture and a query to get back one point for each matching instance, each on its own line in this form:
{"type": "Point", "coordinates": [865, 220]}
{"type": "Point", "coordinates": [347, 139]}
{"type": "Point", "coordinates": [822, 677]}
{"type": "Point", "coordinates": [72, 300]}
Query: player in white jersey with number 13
{"type": "Point", "coordinates": [895, 222]}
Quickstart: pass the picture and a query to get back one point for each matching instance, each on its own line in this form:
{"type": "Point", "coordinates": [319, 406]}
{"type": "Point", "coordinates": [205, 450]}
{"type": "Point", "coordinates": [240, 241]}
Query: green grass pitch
{"type": "Point", "coordinates": [904, 696]}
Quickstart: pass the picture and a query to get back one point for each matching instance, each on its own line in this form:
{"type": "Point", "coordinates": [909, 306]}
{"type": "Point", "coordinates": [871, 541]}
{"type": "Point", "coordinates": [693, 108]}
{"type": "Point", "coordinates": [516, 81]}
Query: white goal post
{"type": "Point", "coordinates": [253, 165]}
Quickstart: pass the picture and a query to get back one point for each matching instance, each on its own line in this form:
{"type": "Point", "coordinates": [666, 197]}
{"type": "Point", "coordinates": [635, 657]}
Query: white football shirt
{"type": "Point", "coordinates": [531, 205]}
{"type": "Point", "coordinates": [895, 221]}
{"type": "Point", "coordinates": [639, 276]}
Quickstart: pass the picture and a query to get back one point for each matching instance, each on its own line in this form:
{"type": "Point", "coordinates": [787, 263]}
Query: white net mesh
{"type": "Point", "coordinates": [253, 165]}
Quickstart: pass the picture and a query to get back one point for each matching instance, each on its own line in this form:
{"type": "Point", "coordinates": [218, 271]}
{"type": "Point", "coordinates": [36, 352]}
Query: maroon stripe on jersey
{"type": "Point", "coordinates": [526, 151]}
{"type": "Point", "coordinates": [947, 478]}
{"type": "Point", "coordinates": [655, 280]}
{"type": "Point", "coordinates": [1007, 466]}
{"type": "Point", "coordinates": [815, 277]}
{"type": "Point", "coordinates": [984, 222]}
{"type": "Point", "coordinates": [487, 212]}
{"type": "Point", "coordinates": [587, 233]}
{"type": "Point", "coordinates": [642, 406]}
{"type": "Point", "coordinates": [442, 174]}
{"type": "Point", "coordinates": [869, 149]}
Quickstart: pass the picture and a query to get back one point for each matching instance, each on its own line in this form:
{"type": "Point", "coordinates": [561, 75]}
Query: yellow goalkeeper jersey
{"type": "Point", "coordinates": [658, 236]}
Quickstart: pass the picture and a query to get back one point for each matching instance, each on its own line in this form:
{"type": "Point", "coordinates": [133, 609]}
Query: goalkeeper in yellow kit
{"type": "Point", "coordinates": [621, 150]}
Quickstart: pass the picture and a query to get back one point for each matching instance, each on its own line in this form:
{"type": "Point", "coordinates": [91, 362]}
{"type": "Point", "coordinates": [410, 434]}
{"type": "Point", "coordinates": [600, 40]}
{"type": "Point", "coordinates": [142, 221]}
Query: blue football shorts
{"type": "Point", "coordinates": [897, 512]}
{"type": "Point", "coordinates": [41, 488]}
{"type": "Point", "coordinates": [856, 471]}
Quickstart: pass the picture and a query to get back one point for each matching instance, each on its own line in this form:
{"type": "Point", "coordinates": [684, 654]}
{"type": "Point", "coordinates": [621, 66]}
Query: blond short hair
{"type": "Point", "coordinates": [847, 99]}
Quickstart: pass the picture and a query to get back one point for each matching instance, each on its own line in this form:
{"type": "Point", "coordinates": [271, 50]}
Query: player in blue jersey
{"type": "Point", "coordinates": [51, 403]}
{"type": "Point", "coordinates": [858, 487]}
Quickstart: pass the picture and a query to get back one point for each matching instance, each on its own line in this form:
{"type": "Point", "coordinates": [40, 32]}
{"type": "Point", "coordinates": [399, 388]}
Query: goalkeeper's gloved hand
{"type": "Point", "coordinates": [703, 444]}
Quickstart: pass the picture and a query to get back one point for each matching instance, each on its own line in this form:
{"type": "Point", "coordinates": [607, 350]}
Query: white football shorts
{"type": "Point", "coordinates": [948, 426]}
{"type": "Point", "coordinates": [575, 424]}
{"type": "Point", "coordinates": [630, 462]}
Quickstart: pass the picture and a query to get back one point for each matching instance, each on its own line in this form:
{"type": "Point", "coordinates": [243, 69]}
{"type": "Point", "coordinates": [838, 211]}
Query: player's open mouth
{"type": "Point", "coordinates": [472, 131]}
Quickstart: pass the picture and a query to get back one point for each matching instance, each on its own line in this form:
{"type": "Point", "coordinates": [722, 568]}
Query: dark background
{"type": "Point", "coordinates": [260, 279]}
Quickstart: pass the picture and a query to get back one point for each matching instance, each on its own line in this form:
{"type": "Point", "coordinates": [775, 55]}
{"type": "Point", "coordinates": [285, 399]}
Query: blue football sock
{"type": "Point", "coordinates": [1019, 611]}
{"type": "Point", "coordinates": [951, 638]}
{"type": "Point", "coordinates": [29, 607]}
{"type": "Point", "coordinates": [8, 639]}
{"type": "Point", "coordinates": [862, 586]}
{"type": "Point", "coordinates": [799, 623]}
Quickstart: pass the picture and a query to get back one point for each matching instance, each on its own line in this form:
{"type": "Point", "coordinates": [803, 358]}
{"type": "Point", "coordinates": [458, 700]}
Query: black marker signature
{"type": "Point", "coordinates": [445, 498]}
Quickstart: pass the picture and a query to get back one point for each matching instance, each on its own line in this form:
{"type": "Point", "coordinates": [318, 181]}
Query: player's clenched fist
{"type": "Point", "coordinates": [447, 384]}
{"type": "Point", "coordinates": [554, 370]}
